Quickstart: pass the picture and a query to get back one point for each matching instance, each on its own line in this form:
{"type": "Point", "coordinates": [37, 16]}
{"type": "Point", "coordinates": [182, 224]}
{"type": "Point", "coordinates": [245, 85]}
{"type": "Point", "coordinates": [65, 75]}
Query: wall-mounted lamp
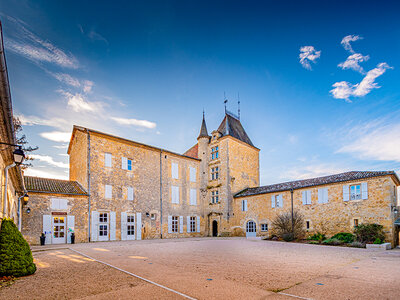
{"type": "Point", "coordinates": [147, 214]}
{"type": "Point", "coordinates": [394, 209]}
{"type": "Point", "coordinates": [28, 210]}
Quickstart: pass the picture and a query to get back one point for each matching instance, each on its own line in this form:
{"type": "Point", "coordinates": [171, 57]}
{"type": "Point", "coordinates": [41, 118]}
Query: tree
{"type": "Point", "coordinates": [283, 225]}
{"type": "Point", "coordinates": [15, 255]}
{"type": "Point", "coordinates": [21, 140]}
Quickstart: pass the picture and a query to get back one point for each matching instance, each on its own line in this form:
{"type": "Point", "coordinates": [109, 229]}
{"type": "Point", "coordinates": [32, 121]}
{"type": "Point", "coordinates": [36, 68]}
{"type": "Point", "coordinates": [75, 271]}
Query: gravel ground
{"type": "Point", "coordinates": [209, 268]}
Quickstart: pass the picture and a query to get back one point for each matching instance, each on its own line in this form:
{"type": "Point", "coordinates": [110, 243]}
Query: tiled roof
{"type": "Point", "coordinates": [232, 126]}
{"type": "Point", "coordinates": [298, 184]}
{"type": "Point", "coordinates": [53, 186]}
{"type": "Point", "coordinates": [203, 129]}
{"type": "Point", "coordinates": [193, 152]}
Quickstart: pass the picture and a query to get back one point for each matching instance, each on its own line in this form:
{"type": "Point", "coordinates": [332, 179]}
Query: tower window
{"type": "Point", "coordinates": [214, 173]}
{"type": "Point", "coordinates": [214, 152]}
{"type": "Point", "coordinates": [215, 196]}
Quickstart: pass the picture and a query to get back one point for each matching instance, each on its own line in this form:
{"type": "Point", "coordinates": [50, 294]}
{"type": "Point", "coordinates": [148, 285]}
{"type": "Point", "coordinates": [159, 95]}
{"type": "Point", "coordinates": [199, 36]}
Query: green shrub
{"type": "Point", "coordinates": [333, 242]}
{"type": "Point", "coordinates": [317, 237]}
{"type": "Point", "coordinates": [378, 241]}
{"type": "Point", "coordinates": [288, 237]}
{"type": "Point", "coordinates": [357, 244]}
{"type": "Point", "coordinates": [15, 255]}
{"type": "Point", "coordinates": [313, 242]}
{"type": "Point", "coordinates": [344, 236]}
{"type": "Point", "coordinates": [368, 233]}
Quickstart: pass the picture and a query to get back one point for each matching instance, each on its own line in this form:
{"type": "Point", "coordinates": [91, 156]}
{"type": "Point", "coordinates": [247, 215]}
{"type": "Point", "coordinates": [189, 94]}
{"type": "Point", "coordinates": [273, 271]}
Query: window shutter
{"type": "Point", "coordinates": [124, 226]}
{"type": "Point", "coordinates": [326, 199]}
{"type": "Point", "coordinates": [180, 224]}
{"type": "Point", "coordinates": [364, 190]}
{"type": "Point", "coordinates": [124, 163]}
{"type": "Point", "coordinates": [346, 193]}
{"type": "Point", "coordinates": [112, 226]}
{"type": "Point", "coordinates": [308, 197]}
{"type": "Point", "coordinates": [108, 191]}
{"type": "Point", "coordinates": [193, 197]}
{"type": "Point", "coordinates": [272, 201]}
{"type": "Point", "coordinates": [63, 204]}
{"type": "Point", "coordinates": [130, 193]}
{"type": "Point", "coordinates": [192, 174]}
{"type": "Point", "coordinates": [188, 224]}
{"type": "Point", "coordinates": [71, 227]}
{"type": "Point", "coordinates": [95, 226]}
{"type": "Point", "coordinates": [304, 195]}
{"type": "Point", "coordinates": [169, 224]}
{"type": "Point", "coordinates": [175, 194]}
{"type": "Point", "coordinates": [280, 200]}
{"type": "Point", "coordinates": [175, 170]}
{"type": "Point", "coordinates": [138, 226]}
{"type": "Point", "coordinates": [47, 228]}
{"type": "Point", "coordinates": [320, 196]}
{"type": "Point", "coordinates": [55, 204]}
{"type": "Point", "coordinates": [198, 224]}
{"type": "Point", "coordinates": [107, 159]}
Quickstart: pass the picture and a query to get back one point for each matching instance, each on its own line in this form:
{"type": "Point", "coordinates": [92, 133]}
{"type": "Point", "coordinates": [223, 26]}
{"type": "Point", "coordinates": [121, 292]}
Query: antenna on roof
{"type": "Point", "coordinates": [225, 101]}
{"type": "Point", "coordinates": [238, 106]}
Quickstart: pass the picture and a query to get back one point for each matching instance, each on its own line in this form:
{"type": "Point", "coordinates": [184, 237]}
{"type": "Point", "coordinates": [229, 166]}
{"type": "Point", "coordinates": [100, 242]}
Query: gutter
{"type": "Point", "coordinates": [161, 206]}
{"type": "Point", "coordinates": [88, 175]}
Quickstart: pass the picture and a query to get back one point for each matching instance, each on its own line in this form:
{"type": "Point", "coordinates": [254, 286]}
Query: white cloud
{"type": "Point", "coordinates": [308, 54]}
{"type": "Point", "coordinates": [63, 146]}
{"type": "Point", "coordinates": [67, 79]}
{"type": "Point", "coordinates": [135, 122]}
{"type": "Point", "coordinates": [46, 174]}
{"type": "Point", "coordinates": [87, 86]}
{"type": "Point", "coordinates": [352, 62]}
{"type": "Point", "coordinates": [57, 136]}
{"type": "Point", "coordinates": [33, 120]}
{"type": "Point", "coordinates": [293, 139]}
{"type": "Point", "coordinates": [350, 38]}
{"type": "Point", "coordinates": [311, 171]}
{"type": "Point", "coordinates": [49, 160]}
{"type": "Point", "coordinates": [78, 103]}
{"type": "Point", "coordinates": [344, 89]}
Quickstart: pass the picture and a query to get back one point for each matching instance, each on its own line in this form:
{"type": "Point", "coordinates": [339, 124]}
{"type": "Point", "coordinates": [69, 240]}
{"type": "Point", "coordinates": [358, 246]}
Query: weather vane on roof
{"type": "Point", "coordinates": [225, 101]}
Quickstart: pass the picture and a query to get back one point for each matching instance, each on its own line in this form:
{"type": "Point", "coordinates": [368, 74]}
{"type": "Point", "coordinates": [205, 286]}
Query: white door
{"type": "Point", "coordinates": [251, 229]}
{"type": "Point", "coordinates": [59, 232]}
{"type": "Point", "coordinates": [130, 224]}
{"type": "Point", "coordinates": [104, 227]}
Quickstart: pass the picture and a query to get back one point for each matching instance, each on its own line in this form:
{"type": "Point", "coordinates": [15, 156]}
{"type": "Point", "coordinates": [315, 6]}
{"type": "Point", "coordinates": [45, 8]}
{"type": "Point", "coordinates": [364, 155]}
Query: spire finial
{"type": "Point", "coordinates": [238, 106]}
{"type": "Point", "coordinates": [225, 101]}
{"type": "Point", "coordinates": [203, 113]}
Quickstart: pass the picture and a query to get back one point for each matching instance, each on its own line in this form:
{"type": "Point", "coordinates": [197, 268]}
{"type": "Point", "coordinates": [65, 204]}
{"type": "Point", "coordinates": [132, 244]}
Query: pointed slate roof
{"type": "Point", "coordinates": [231, 125]}
{"type": "Point", "coordinates": [203, 129]}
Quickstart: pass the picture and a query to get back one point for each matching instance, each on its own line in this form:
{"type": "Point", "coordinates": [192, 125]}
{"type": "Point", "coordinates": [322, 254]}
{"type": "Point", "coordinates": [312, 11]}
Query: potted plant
{"type": "Point", "coordinates": [42, 239]}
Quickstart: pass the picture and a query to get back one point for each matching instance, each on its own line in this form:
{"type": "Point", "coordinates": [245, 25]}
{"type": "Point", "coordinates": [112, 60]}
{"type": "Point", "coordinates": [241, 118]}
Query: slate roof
{"type": "Point", "coordinates": [230, 125]}
{"type": "Point", "coordinates": [298, 184]}
{"type": "Point", "coordinates": [203, 129]}
{"type": "Point", "coordinates": [53, 186]}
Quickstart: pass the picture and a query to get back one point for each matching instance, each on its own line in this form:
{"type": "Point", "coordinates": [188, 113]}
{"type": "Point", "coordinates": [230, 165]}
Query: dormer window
{"type": "Point", "coordinates": [214, 152]}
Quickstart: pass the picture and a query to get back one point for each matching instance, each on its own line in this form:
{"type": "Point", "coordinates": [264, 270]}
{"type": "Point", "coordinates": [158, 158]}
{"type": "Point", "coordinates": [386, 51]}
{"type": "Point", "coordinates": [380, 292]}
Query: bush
{"type": "Point", "coordinates": [357, 244]}
{"type": "Point", "coordinates": [288, 237]}
{"type": "Point", "coordinates": [378, 241]}
{"type": "Point", "coordinates": [333, 242]}
{"type": "Point", "coordinates": [283, 224]}
{"type": "Point", "coordinates": [317, 237]}
{"type": "Point", "coordinates": [368, 233]}
{"type": "Point", "coordinates": [15, 255]}
{"type": "Point", "coordinates": [344, 236]}
{"type": "Point", "coordinates": [313, 242]}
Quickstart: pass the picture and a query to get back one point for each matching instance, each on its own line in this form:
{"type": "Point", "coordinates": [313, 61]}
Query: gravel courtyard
{"type": "Point", "coordinates": [207, 268]}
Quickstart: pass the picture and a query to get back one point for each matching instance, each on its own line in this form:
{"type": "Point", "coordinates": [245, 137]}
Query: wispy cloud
{"type": "Point", "coordinates": [34, 120]}
{"type": "Point", "coordinates": [87, 86]}
{"type": "Point", "coordinates": [32, 47]}
{"type": "Point", "coordinates": [345, 90]}
{"type": "Point", "coordinates": [311, 171]}
{"type": "Point", "coordinates": [56, 136]}
{"type": "Point", "coordinates": [66, 79]}
{"type": "Point", "coordinates": [79, 103]}
{"type": "Point", "coordinates": [93, 35]}
{"type": "Point", "coordinates": [49, 160]}
{"type": "Point", "coordinates": [348, 39]}
{"type": "Point", "coordinates": [307, 55]}
{"type": "Point", "coordinates": [46, 174]}
{"type": "Point", "coordinates": [135, 122]}
{"type": "Point", "coordinates": [353, 62]}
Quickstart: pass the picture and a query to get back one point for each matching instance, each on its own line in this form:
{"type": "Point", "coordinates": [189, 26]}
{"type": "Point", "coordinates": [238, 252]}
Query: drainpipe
{"type": "Point", "coordinates": [19, 212]}
{"type": "Point", "coordinates": [5, 187]}
{"type": "Point", "coordinates": [88, 175]}
{"type": "Point", "coordinates": [161, 206]}
{"type": "Point", "coordinates": [291, 194]}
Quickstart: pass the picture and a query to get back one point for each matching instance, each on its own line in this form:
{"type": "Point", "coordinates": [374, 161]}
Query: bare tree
{"type": "Point", "coordinates": [21, 140]}
{"type": "Point", "coordinates": [283, 224]}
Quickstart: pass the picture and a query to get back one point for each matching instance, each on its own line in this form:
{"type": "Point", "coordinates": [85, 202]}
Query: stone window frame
{"type": "Point", "coordinates": [356, 195]}
{"type": "Point", "coordinates": [215, 152]}
{"type": "Point", "coordinates": [214, 172]}
{"type": "Point", "coordinates": [215, 196]}
{"type": "Point", "coordinates": [193, 221]}
{"type": "Point", "coordinates": [353, 222]}
{"type": "Point", "coordinates": [308, 223]}
{"type": "Point", "coordinates": [175, 224]}
{"type": "Point", "coordinates": [262, 225]}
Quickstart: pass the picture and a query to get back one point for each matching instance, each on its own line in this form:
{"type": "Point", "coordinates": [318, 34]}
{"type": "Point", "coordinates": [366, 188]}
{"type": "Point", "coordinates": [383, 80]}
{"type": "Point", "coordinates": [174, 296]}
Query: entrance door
{"type": "Point", "coordinates": [251, 229]}
{"type": "Point", "coordinates": [130, 230]}
{"type": "Point", "coordinates": [103, 227]}
{"type": "Point", "coordinates": [59, 232]}
{"type": "Point", "coordinates": [214, 228]}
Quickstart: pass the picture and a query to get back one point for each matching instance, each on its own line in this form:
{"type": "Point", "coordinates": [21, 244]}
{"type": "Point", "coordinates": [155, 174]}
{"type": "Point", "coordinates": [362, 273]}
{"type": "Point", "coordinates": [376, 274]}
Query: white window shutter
{"type": "Point", "coordinates": [113, 226]}
{"type": "Point", "coordinates": [320, 196]}
{"type": "Point", "coordinates": [192, 172]}
{"type": "Point", "coordinates": [124, 227]}
{"type": "Point", "coordinates": [124, 163]}
{"type": "Point", "coordinates": [272, 201]}
{"type": "Point", "coordinates": [175, 194]}
{"type": "Point", "coordinates": [326, 199]}
{"type": "Point", "coordinates": [55, 204]}
{"type": "Point", "coordinates": [175, 170]}
{"type": "Point", "coordinates": [138, 226]}
{"type": "Point", "coordinates": [280, 200]}
{"type": "Point", "coordinates": [364, 190]}
{"type": "Point", "coordinates": [180, 224]}
{"type": "Point", "coordinates": [346, 193]}
{"type": "Point", "coordinates": [107, 159]}
{"type": "Point", "coordinates": [169, 224]}
{"type": "Point", "coordinates": [71, 227]}
{"type": "Point", "coordinates": [193, 197]}
{"type": "Point", "coordinates": [47, 228]}
{"type": "Point", "coordinates": [308, 197]}
{"type": "Point", "coordinates": [108, 191]}
{"type": "Point", "coordinates": [95, 226]}
{"type": "Point", "coordinates": [304, 195]}
{"type": "Point", "coordinates": [63, 204]}
{"type": "Point", "coordinates": [188, 223]}
{"type": "Point", "coordinates": [245, 204]}
{"type": "Point", "coordinates": [198, 224]}
{"type": "Point", "coordinates": [130, 193]}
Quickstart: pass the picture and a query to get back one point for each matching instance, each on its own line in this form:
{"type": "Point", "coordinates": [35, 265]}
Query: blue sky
{"type": "Point", "coordinates": [318, 81]}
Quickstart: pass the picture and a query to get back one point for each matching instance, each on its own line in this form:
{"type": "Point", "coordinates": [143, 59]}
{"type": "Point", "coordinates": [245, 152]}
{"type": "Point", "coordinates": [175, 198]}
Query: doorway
{"type": "Point", "coordinates": [59, 230]}
{"type": "Point", "coordinates": [215, 228]}
{"type": "Point", "coordinates": [251, 230]}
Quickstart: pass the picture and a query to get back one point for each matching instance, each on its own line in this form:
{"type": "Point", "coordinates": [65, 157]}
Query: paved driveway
{"type": "Point", "coordinates": [232, 268]}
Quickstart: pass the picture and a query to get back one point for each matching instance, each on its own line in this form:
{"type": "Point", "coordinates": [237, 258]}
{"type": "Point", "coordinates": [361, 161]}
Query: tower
{"type": "Point", "coordinates": [203, 140]}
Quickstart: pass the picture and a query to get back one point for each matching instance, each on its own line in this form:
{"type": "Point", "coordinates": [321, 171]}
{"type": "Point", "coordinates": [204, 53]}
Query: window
{"type": "Point", "coordinates": [108, 191]}
{"type": "Point", "coordinates": [192, 172]}
{"type": "Point", "coordinates": [192, 224]}
{"type": "Point", "coordinates": [214, 173]}
{"type": "Point", "coordinates": [244, 205]}
{"type": "Point", "coordinates": [153, 216]}
{"type": "Point", "coordinates": [130, 219]}
{"type": "Point", "coordinates": [307, 224]}
{"type": "Point", "coordinates": [126, 164]}
{"type": "Point", "coordinates": [103, 224]}
{"type": "Point", "coordinates": [264, 227]}
{"type": "Point", "coordinates": [175, 170]}
{"type": "Point", "coordinates": [174, 224]}
{"type": "Point", "coordinates": [214, 152]}
{"type": "Point", "coordinates": [103, 230]}
{"type": "Point", "coordinates": [323, 195]}
{"type": "Point", "coordinates": [215, 196]}
{"type": "Point", "coordinates": [355, 192]}
{"type": "Point", "coordinates": [130, 193]}
{"type": "Point", "coordinates": [306, 197]}
{"type": "Point", "coordinates": [107, 160]}
{"type": "Point", "coordinates": [175, 194]}
{"type": "Point", "coordinates": [276, 201]}
{"type": "Point", "coordinates": [193, 197]}
{"type": "Point", "coordinates": [355, 222]}
{"type": "Point", "coordinates": [103, 217]}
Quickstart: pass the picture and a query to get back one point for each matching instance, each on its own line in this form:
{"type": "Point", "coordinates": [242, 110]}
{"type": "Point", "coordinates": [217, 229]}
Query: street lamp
{"type": "Point", "coordinates": [25, 197]}
{"type": "Point", "coordinates": [19, 156]}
